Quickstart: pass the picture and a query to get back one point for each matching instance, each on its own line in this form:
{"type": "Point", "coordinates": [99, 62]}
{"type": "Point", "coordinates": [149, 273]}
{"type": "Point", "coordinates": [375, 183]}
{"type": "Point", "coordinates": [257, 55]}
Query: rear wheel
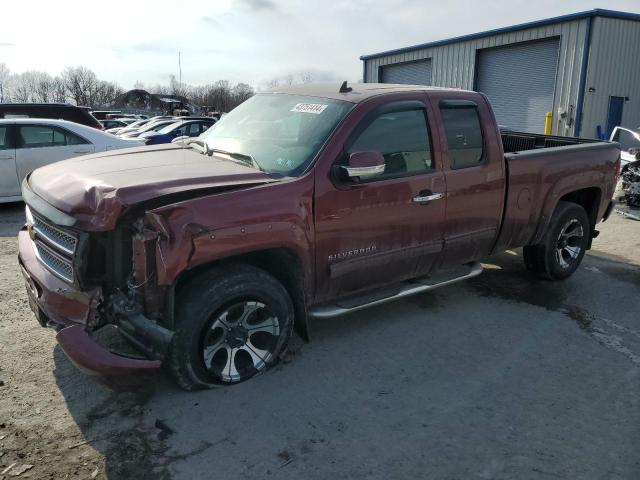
{"type": "Point", "coordinates": [564, 244]}
{"type": "Point", "coordinates": [233, 323]}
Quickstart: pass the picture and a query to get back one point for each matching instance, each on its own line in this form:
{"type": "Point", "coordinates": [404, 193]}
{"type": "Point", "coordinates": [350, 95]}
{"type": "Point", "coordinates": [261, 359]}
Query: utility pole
{"type": "Point", "coordinates": [180, 69]}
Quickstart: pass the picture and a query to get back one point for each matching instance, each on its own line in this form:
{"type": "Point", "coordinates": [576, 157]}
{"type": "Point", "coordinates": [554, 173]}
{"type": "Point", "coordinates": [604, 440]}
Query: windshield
{"type": "Point", "coordinates": [169, 128]}
{"type": "Point", "coordinates": [626, 137]}
{"type": "Point", "coordinates": [155, 126]}
{"type": "Point", "coordinates": [139, 123]}
{"type": "Point", "coordinates": [282, 133]}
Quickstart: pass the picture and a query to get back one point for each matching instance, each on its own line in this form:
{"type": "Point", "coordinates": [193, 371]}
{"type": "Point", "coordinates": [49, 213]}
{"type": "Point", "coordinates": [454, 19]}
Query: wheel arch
{"type": "Point", "coordinates": [282, 263]}
{"type": "Point", "coordinates": [588, 198]}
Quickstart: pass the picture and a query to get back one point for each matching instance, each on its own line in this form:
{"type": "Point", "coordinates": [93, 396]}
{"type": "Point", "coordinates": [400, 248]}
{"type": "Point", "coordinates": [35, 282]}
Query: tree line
{"type": "Point", "coordinates": [81, 86]}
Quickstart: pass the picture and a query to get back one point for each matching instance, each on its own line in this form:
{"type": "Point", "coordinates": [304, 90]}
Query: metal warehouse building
{"type": "Point", "coordinates": [584, 68]}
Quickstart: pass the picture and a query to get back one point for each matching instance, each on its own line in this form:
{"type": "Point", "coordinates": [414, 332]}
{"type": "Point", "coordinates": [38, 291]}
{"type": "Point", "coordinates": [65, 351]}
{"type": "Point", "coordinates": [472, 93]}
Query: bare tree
{"type": "Point", "coordinates": [43, 87]}
{"type": "Point", "coordinates": [80, 83]}
{"type": "Point", "coordinates": [5, 74]}
{"type": "Point", "coordinates": [23, 88]}
{"type": "Point", "coordinates": [104, 93]}
{"type": "Point", "coordinates": [177, 88]}
{"type": "Point", "coordinates": [81, 86]}
{"type": "Point", "coordinates": [306, 77]}
{"type": "Point", "coordinates": [58, 90]}
{"type": "Point", "coordinates": [241, 92]}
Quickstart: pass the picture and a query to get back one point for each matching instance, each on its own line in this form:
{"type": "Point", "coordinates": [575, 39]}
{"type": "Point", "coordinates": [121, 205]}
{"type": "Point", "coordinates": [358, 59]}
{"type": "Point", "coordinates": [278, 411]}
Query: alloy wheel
{"type": "Point", "coordinates": [240, 341]}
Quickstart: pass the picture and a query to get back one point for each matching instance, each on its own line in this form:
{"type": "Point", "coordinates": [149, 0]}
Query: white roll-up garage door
{"type": "Point", "coordinates": [519, 80]}
{"type": "Point", "coordinates": [410, 73]}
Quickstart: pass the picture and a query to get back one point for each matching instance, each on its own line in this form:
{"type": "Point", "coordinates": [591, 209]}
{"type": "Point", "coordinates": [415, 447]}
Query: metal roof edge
{"type": "Point", "coordinates": [596, 12]}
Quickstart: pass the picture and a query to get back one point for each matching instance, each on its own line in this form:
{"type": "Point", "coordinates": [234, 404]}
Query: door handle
{"type": "Point", "coordinates": [84, 150]}
{"type": "Point", "coordinates": [427, 198]}
{"type": "Point", "coordinates": [6, 157]}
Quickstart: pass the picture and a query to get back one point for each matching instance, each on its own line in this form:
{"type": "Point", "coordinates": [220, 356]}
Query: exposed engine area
{"type": "Point", "coordinates": [630, 184]}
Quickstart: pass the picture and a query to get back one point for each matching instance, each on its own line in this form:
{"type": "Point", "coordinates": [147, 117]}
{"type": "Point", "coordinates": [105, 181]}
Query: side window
{"type": "Point", "coordinates": [73, 139]}
{"type": "Point", "coordinates": [37, 136]}
{"type": "Point", "coordinates": [403, 140]}
{"type": "Point", "coordinates": [194, 129]}
{"type": "Point", "coordinates": [464, 136]}
{"type": "Point", "coordinates": [4, 138]}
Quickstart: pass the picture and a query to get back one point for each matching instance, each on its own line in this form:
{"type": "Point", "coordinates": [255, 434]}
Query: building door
{"type": "Point", "coordinates": [614, 118]}
{"type": "Point", "coordinates": [409, 73]}
{"type": "Point", "coordinates": [519, 81]}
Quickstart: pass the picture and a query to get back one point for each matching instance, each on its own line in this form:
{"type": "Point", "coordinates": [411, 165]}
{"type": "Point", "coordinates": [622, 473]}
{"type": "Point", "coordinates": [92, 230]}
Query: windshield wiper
{"type": "Point", "coordinates": [245, 158]}
{"type": "Point", "coordinates": [201, 144]}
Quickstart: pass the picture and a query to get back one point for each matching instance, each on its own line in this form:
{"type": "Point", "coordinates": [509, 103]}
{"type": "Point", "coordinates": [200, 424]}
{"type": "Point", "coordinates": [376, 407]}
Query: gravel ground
{"type": "Point", "coordinates": [504, 376]}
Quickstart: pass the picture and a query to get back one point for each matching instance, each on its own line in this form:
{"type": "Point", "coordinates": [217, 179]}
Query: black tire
{"type": "Point", "coordinates": [221, 327]}
{"type": "Point", "coordinates": [557, 258]}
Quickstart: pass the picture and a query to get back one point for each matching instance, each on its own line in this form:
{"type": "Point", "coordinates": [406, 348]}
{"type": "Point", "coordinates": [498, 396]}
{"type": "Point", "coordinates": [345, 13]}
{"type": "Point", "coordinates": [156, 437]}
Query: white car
{"type": "Point", "coordinates": [26, 144]}
{"type": "Point", "coordinates": [629, 142]}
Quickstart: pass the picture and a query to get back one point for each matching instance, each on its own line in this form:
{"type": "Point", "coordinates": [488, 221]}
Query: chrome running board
{"type": "Point", "coordinates": [406, 289]}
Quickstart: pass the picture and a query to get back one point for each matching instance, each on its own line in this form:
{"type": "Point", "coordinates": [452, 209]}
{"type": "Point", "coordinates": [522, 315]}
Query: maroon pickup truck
{"type": "Point", "coordinates": [304, 202]}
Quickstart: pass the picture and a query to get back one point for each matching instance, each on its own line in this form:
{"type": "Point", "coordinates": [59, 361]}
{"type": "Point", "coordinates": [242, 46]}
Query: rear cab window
{"type": "Point", "coordinates": [463, 131]}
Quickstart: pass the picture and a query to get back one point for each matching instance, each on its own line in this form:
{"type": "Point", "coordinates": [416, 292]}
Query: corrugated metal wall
{"type": "Point", "coordinates": [453, 65]}
{"type": "Point", "coordinates": [411, 73]}
{"type": "Point", "coordinates": [614, 69]}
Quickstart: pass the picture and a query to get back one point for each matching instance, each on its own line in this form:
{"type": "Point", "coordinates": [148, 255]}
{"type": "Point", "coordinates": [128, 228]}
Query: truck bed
{"type": "Point", "coordinates": [519, 141]}
{"type": "Point", "coordinates": [547, 169]}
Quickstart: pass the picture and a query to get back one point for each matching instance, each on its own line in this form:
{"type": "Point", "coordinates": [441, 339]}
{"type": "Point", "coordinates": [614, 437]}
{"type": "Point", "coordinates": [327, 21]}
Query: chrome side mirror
{"type": "Point", "coordinates": [364, 165]}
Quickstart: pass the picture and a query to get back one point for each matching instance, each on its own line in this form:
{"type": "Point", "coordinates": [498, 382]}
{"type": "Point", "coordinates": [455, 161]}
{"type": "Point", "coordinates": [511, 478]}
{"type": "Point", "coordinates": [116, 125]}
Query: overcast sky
{"type": "Point", "coordinates": [248, 41]}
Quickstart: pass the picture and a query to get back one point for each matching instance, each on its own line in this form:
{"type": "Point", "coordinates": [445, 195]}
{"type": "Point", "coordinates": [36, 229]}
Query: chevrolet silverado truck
{"type": "Point", "coordinates": [311, 201]}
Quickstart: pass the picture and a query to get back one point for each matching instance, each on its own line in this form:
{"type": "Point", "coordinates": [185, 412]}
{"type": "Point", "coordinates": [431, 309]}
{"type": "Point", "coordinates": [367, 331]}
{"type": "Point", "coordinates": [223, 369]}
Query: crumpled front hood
{"type": "Point", "coordinates": [97, 189]}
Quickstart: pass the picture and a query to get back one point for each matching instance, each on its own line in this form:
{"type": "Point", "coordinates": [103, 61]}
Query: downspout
{"type": "Point", "coordinates": [583, 77]}
{"type": "Point", "coordinates": [364, 71]}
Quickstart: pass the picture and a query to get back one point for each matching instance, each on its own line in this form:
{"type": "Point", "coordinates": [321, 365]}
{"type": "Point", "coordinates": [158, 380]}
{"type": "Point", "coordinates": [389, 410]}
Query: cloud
{"type": "Point", "coordinates": [210, 21]}
{"type": "Point", "coordinates": [7, 44]}
{"type": "Point", "coordinates": [162, 49]}
{"type": "Point", "coordinates": [261, 4]}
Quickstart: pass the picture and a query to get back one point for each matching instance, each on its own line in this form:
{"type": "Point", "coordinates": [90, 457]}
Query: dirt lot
{"type": "Point", "coordinates": [504, 376]}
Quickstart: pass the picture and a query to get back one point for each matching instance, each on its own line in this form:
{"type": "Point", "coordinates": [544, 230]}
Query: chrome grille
{"type": "Point", "coordinates": [54, 262]}
{"type": "Point", "coordinates": [56, 237]}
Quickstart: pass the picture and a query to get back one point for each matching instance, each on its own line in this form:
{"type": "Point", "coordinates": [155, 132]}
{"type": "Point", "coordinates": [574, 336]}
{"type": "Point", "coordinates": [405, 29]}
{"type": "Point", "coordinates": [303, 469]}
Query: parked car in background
{"type": "Point", "coordinates": [187, 128]}
{"type": "Point", "coordinates": [26, 144]}
{"type": "Point", "coordinates": [629, 141]}
{"type": "Point", "coordinates": [62, 111]}
{"type": "Point", "coordinates": [109, 123]}
{"type": "Point", "coordinates": [139, 124]}
{"type": "Point", "coordinates": [149, 127]}
{"type": "Point", "coordinates": [308, 201]}
{"type": "Point", "coordinates": [120, 116]}
{"type": "Point", "coordinates": [628, 187]}
{"type": "Point", "coordinates": [102, 114]}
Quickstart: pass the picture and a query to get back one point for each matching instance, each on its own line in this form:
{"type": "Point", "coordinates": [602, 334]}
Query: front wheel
{"type": "Point", "coordinates": [232, 323]}
{"type": "Point", "coordinates": [564, 245]}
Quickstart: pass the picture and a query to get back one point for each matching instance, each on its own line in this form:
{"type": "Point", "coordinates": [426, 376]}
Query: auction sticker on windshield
{"type": "Point", "coordinates": [316, 108]}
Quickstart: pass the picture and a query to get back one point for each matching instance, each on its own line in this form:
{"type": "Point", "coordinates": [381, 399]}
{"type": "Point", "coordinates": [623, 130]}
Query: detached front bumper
{"type": "Point", "coordinates": [57, 304]}
{"type": "Point", "coordinates": [113, 370]}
